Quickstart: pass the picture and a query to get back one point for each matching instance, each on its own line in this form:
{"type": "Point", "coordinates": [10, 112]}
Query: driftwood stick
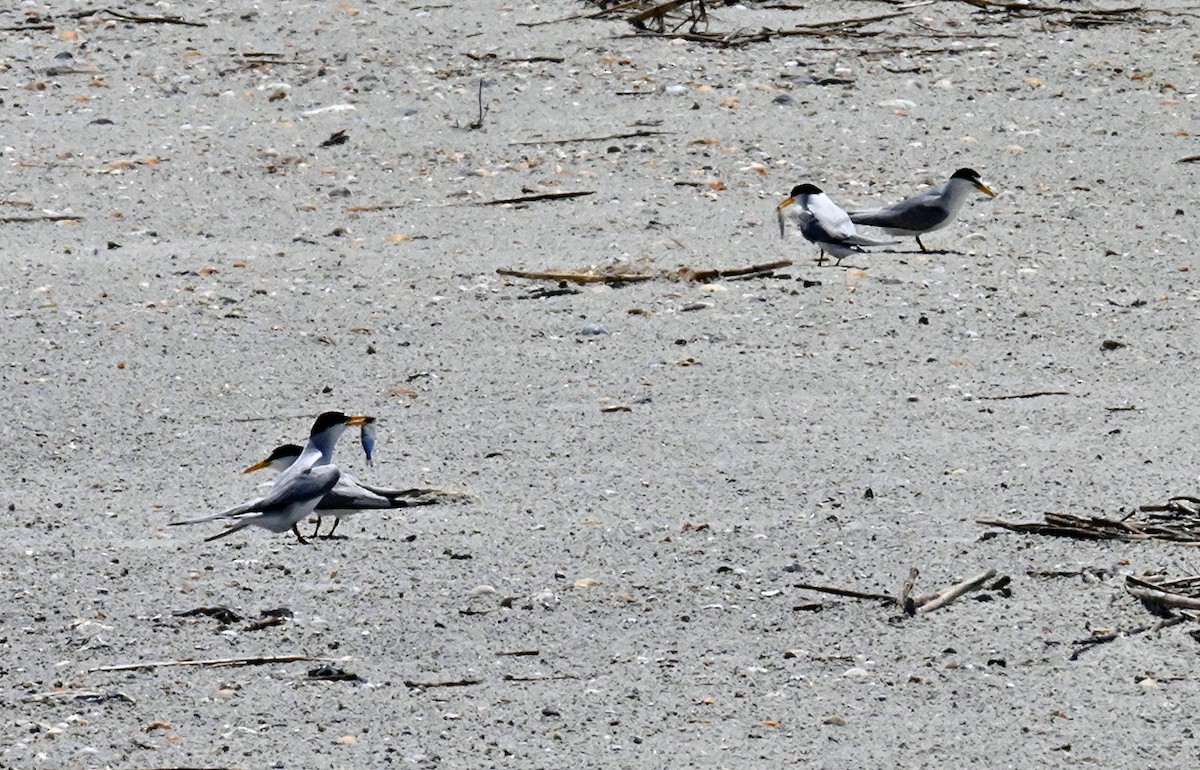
{"type": "Point", "coordinates": [846, 592]}
{"type": "Point", "coordinates": [1012, 5]}
{"type": "Point", "coordinates": [141, 19]}
{"type": "Point", "coordinates": [78, 693]}
{"type": "Point", "coordinates": [765, 267]}
{"type": "Point", "coordinates": [448, 683]}
{"type": "Point", "coordinates": [641, 132]}
{"type": "Point", "coordinates": [1034, 394]}
{"type": "Point", "coordinates": [1163, 599]}
{"type": "Point", "coordinates": [273, 62]}
{"type": "Point", "coordinates": [566, 275]}
{"type": "Point", "coordinates": [704, 275]}
{"type": "Point", "coordinates": [907, 587]}
{"type": "Point", "coordinates": [212, 662]}
{"type": "Point", "coordinates": [376, 207]}
{"type": "Point", "coordinates": [1095, 641]}
{"type": "Point", "coordinates": [922, 599]}
{"type": "Point", "coordinates": [532, 59]}
{"type": "Point", "coordinates": [42, 218]}
{"type": "Point", "coordinates": [554, 196]}
{"type": "Point", "coordinates": [956, 591]}
{"type": "Point", "coordinates": [1161, 582]}
{"type": "Point", "coordinates": [611, 274]}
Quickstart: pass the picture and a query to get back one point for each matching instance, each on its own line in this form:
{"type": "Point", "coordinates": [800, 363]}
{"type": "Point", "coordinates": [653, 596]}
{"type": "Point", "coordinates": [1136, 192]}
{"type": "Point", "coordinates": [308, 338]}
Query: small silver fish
{"type": "Point", "coordinates": [782, 226]}
{"type": "Point", "coordinates": [367, 437]}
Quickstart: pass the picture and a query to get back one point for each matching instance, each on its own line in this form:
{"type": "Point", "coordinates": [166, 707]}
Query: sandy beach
{"type": "Point", "coordinates": [216, 230]}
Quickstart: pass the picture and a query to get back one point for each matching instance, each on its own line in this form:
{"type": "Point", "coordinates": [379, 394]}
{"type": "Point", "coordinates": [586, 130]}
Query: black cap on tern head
{"type": "Point", "coordinates": [327, 420]}
{"type": "Point", "coordinates": [805, 189]}
{"type": "Point", "coordinates": [970, 174]}
{"type": "Point", "coordinates": [282, 451]}
{"type": "Point", "coordinates": [288, 452]}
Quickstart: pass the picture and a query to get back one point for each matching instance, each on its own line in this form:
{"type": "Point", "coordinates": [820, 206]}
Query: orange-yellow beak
{"type": "Point", "coordinates": [258, 466]}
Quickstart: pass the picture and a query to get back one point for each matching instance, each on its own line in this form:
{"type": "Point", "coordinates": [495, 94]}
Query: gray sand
{"type": "Point", "coordinates": [212, 299]}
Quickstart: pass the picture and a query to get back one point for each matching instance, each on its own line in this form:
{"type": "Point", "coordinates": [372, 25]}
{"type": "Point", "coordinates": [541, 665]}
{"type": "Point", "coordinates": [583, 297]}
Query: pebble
{"type": "Point", "coordinates": [593, 330]}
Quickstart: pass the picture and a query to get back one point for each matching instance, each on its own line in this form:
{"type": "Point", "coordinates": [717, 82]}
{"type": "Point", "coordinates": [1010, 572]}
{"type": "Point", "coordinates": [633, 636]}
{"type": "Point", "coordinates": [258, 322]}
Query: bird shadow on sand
{"type": "Point", "coordinates": [842, 265]}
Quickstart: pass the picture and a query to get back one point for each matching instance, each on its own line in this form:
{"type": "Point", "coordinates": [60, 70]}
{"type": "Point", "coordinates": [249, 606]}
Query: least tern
{"type": "Point", "coordinates": [298, 490]}
{"type": "Point", "coordinates": [824, 223]}
{"type": "Point", "coordinates": [928, 211]}
{"type": "Point", "coordinates": [349, 495]}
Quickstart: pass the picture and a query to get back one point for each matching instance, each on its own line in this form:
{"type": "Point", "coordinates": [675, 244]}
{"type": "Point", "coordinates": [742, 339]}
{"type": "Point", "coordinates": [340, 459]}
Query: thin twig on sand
{"type": "Point", "coordinates": [956, 591]}
{"type": "Point", "coordinates": [641, 132]}
{"type": "Point", "coordinates": [254, 660]}
{"type": "Point", "coordinates": [416, 685]}
{"type": "Point", "coordinates": [554, 196]}
{"type": "Point", "coordinates": [904, 599]}
{"type": "Point", "coordinates": [77, 693]}
{"type": "Point", "coordinates": [1032, 394]}
{"type": "Point", "coordinates": [42, 218]}
{"type": "Point", "coordinates": [1083, 645]}
{"type": "Point", "coordinates": [140, 19]}
{"type": "Point", "coordinates": [576, 276]}
{"type": "Point", "coordinates": [853, 594]}
{"type": "Point", "coordinates": [640, 271]}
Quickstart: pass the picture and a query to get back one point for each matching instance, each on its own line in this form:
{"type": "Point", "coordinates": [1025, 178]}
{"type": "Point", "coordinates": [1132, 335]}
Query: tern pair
{"type": "Point", "coordinates": [824, 223]}
{"type": "Point", "coordinates": [309, 482]}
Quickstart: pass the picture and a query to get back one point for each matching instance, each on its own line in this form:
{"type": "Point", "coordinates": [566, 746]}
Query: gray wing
{"type": "Point", "coordinates": [288, 491]}
{"type": "Point", "coordinates": [302, 487]}
{"type": "Point", "coordinates": [920, 212]}
{"type": "Point", "coordinates": [919, 216]}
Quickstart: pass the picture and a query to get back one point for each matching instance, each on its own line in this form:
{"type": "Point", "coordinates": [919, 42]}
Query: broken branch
{"type": "Point", "coordinates": [1033, 394]}
{"type": "Point", "coordinates": [43, 218]}
{"type": "Point", "coordinates": [846, 592]}
{"type": "Point", "coordinates": [448, 683]}
{"type": "Point", "coordinates": [627, 135]}
{"type": "Point", "coordinates": [574, 276]}
{"type": "Point", "coordinates": [141, 19]}
{"type": "Point", "coordinates": [957, 591]}
{"type": "Point", "coordinates": [903, 600]}
{"type": "Point", "coordinates": [212, 662]}
{"type": "Point", "coordinates": [555, 196]}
